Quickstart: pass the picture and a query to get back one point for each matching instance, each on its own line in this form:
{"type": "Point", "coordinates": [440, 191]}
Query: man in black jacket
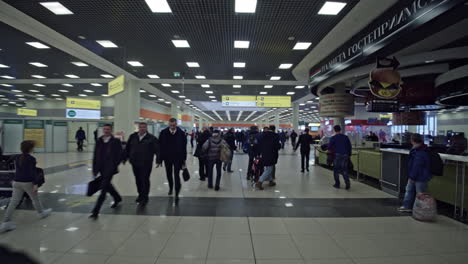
{"type": "Point", "coordinates": [202, 161]}
{"type": "Point", "coordinates": [173, 146]}
{"type": "Point", "coordinates": [268, 146]}
{"type": "Point", "coordinates": [230, 139]}
{"type": "Point", "coordinates": [250, 147]}
{"type": "Point", "coordinates": [305, 140]}
{"type": "Point", "coordinates": [106, 160]}
{"type": "Point", "coordinates": [140, 149]}
{"type": "Point", "coordinates": [293, 138]}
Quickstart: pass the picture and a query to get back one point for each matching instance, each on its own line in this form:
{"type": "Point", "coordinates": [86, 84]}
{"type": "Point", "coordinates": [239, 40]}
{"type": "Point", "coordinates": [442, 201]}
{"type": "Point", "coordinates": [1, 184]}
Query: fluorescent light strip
{"type": "Point", "coordinates": [285, 66]}
{"type": "Point", "coordinates": [79, 64]}
{"type": "Point", "coordinates": [56, 8]}
{"type": "Point", "coordinates": [200, 77]}
{"type": "Point", "coordinates": [302, 45]}
{"type": "Point", "coordinates": [239, 115]}
{"type": "Point", "coordinates": [239, 64]}
{"type": "Point", "coordinates": [67, 85]}
{"type": "Point", "coordinates": [4, 66]}
{"type": "Point", "coordinates": [107, 43]}
{"type": "Point", "coordinates": [238, 77]}
{"type": "Point", "coordinates": [181, 43]}
{"type": "Point", "coordinates": [228, 115]}
{"type": "Point", "coordinates": [38, 45]}
{"type": "Point", "coordinates": [108, 76]}
{"type": "Point", "coordinates": [39, 85]}
{"type": "Point", "coordinates": [96, 84]}
{"type": "Point", "coordinates": [245, 6]}
{"type": "Point", "coordinates": [193, 64]}
{"type": "Point", "coordinates": [153, 76]}
{"type": "Point", "coordinates": [135, 63]}
{"type": "Point", "coordinates": [72, 76]}
{"type": "Point", "coordinates": [38, 64]}
{"type": "Point", "coordinates": [159, 6]}
{"type": "Point", "coordinates": [38, 76]}
{"type": "Point", "coordinates": [205, 85]}
{"type": "Point", "coordinates": [251, 114]}
{"type": "Point", "coordinates": [166, 85]}
{"type": "Point", "coordinates": [275, 78]}
{"type": "Point", "coordinates": [268, 86]}
{"type": "Point", "coordinates": [241, 44]}
{"type": "Point", "coordinates": [237, 86]}
{"type": "Point", "coordinates": [331, 8]}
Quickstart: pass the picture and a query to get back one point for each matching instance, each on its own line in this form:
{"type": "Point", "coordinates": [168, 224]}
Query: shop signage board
{"type": "Point", "coordinates": [33, 124]}
{"type": "Point", "coordinates": [274, 101]}
{"type": "Point", "coordinates": [60, 123]}
{"type": "Point", "coordinates": [26, 112]}
{"type": "Point", "coordinates": [83, 114]}
{"type": "Point", "coordinates": [336, 105]}
{"type": "Point", "coordinates": [116, 86]}
{"type": "Point", "coordinates": [13, 121]}
{"type": "Point", "coordinates": [239, 101]}
{"type": "Point", "coordinates": [410, 15]}
{"type": "Point", "coordinates": [34, 131]}
{"type": "Point", "coordinates": [83, 103]}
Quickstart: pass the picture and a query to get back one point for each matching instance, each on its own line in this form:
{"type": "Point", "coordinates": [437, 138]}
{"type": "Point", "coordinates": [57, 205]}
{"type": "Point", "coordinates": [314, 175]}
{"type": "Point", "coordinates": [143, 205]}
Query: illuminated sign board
{"type": "Point", "coordinates": [116, 86]}
{"type": "Point", "coordinates": [239, 101]}
{"type": "Point", "coordinates": [83, 114]}
{"type": "Point", "coordinates": [274, 101]}
{"type": "Point", "coordinates": [83, 103]}
{"type": "Point", "coordinates": [26, 112]}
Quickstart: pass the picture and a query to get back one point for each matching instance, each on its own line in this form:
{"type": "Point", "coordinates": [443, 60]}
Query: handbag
{"type": "Point", "coordinates": [186, 174]}
{"type": "Point", "coordinates": [94, 186]}
{"type": "Point", "coordinates": [40, 177]}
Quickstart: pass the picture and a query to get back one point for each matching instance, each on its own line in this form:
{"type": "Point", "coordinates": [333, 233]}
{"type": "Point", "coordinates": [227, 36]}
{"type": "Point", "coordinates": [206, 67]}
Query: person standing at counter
{"type": "Point", "coordinates": [341, 145]}
{"type": "Point", "coordinates": [419, 172]}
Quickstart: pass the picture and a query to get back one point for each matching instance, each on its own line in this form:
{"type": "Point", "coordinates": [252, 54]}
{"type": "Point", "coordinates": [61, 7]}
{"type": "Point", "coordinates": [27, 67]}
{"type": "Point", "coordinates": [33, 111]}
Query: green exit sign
{"type": "Point", "coordinates": [176, 74]}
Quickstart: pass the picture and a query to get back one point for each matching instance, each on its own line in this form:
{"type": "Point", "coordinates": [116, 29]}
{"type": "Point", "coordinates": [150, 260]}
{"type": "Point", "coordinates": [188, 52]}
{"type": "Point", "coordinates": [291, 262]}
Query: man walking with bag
{"type": "Point", "coordinates": [140, 149]}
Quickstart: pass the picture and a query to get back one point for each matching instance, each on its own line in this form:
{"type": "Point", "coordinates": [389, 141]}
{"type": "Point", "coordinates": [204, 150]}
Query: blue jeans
{"type": "Point", "coordinates": [267, 174]}
{"type": "Point", "coordinates": [340, 165]}
{"type": "Point", "coordinates": [412, 188]}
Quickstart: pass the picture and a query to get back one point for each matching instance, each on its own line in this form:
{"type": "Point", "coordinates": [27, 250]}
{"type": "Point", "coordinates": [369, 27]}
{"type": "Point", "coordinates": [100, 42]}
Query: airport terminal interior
{"type": "Point", "coordinates": [271, 80]}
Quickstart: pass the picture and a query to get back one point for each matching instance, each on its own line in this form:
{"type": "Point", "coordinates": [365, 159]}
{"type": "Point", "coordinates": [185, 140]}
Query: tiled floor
{"type": "Point", "coordinates": [69, 237]}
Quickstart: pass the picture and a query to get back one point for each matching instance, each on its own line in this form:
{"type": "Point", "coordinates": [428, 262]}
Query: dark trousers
{"type": "Point", "coordinates": [173, 174]}
{"type": "Point", "coordinates": [305, 156]}
{"type": "Point", "coordinates": [142, 179]}
{"type": "Point", "coordinates": [340, 166]}
{"type": "Point", "coordinates": [293, 142]}
{"type": "Point", "coordinates": [107, 187]}
{"type": "Point", "coordinates": [251, 160]}
{"type": "Point", "coordinates": [191, 142]}
{"type": "Point", "coordinates": [211, 164]}
{"type": "Point", "coordinates": [79, 143]}
{"type": "Point", "coordinates": [202, 170]}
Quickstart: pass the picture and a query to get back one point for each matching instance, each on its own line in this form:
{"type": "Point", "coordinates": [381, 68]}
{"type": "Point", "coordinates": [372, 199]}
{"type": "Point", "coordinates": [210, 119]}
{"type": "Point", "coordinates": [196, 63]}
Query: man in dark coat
{"type": "Point", "coordinates": [106, 160]}
{"type": "Point", "coordinates": [293, 138]}
{"type": "Point", "coordinates": [250, 147]}
{"type": "Point", "coordinates": [80, 136]}
{"type": "Point", "coordinates": [202, 161]}
{"type": "Point", "coordinates": [230, 139]}
{"type": "Point", "coordinates": [305, 140]}
{"type": "Point", "coordinates": [268, 146]}
{"type": "Point", "coordinates": [173, 146]}
{"type": "Point", "coordinates": [140, 149]}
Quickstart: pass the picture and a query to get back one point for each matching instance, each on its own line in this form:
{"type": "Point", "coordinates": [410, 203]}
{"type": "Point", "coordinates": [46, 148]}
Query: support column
{"type": "Point", "coordinates": [127, 108]}
{"type": "Point", "coordinates": [339, 121]}
{"type": "Point", "coordinates": [277, 121]}
{"type": "Point", "coordinates": [174, 110]}
{"type": "Point", "coordinates": [295, 119]}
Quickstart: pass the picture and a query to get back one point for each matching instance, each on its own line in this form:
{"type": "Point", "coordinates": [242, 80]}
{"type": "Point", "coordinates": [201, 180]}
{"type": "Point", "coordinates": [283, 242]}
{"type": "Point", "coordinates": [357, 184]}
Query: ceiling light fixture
{"type": "Point", "coordinates": [182, 96]}
{"type": "Point", "coordinates": [193, 64]}
{"type": "Point", "coordinates": [275, 78]}
{"type": "Point", "coordinates": [135, 63]}
{"type": "Point", "coordinates": [166, 84]}
{"type": "Point", "coordinates": [285, 66]}
{"type": "Point", "coordinates": [96, 84]}
{"type": "Point", "coordinates": [159, 6]}
{"type": "Point", "coordinates": [88, 91]}
{"type": "Point", "coordinates": [82, 95]}
{"type": "Point", "coordinates": [200, 77]}
{"type": "Point", "coordinates": [237, 86]}
{"type": "Point", "coordinates": [107, 43]}
{"type": "Point", "coordinates": [175, 92]}
{"type": "Point", "coordinates": [181, 43]}
{"type": "Point", "coordinates": [291, 93]}
{"type": "Point", "coordinates": [300, 87]}
{"type": "Point", "coordinates": [245, 6]}
{"type": "Point", "coordinates": [63, 91]}
{"type": "Point", "coordinates": [142, 91]}
{"type": "Point", "coordinates": [153, 76]}
{"type": "Point", "coordinates": [152, 95]}
{"type": "Point", "coordinates": [212, 97]}
{"type": "Point", "coordinates": [39, 85]}
{"type": "Point", "coordinates": [238, 77]}
{"type": "Point", "coordinates": [79, 64]}
{"type": "Point", "coordinates": [205, 85]}
{"type": "Point", "coordinates": [239, 64]}
{"type": "Point", "coordinates": [56, 8]}
{"type": "Point", "coordinates": [108, 76]}
{"type": "Point", "coordinates": [302, 45]}
{"type": "Point", "coordinates": [209, 92]}
{"type": "Point", "coordinates": [38, 76]}
{"type": "Point", "coordinates": [7, 77]}
{"type": "Point", "coordinates": [4, 66]}
{"type": "Point", "coordinates": [34, 91]}
{"type": "Point", "coordinates": [331, 8]}
{"type": "Point", "coordinates": [241, 44]}
{"type": "Point", "coordinates": [263, 92]}
{"type": "Point", "coordinates": [6, 85]}
{"type": "Point", "coordinates": [38, 45]}
{"type": "Point", "coordinates": [67, 85]}
{"type": "Point", "coordinates": [268, 86]}
{"type": "Point", "coordinates": [55, 95]}
{"type": "Point", "coordinates": [72, 76]}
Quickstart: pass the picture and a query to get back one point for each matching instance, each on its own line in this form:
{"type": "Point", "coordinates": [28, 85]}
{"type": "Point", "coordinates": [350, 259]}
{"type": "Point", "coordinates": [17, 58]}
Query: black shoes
{"type": "Point", "coordinates": [302, 170]}
{"type": "Point", "coordinates": [230, 171]}
{"type": "Point", "coordinates": [348, 186]}
{"type": "Point", "coordinates": [336, 186]}
{"type": "Point", "coordinates": [217, 188]}
{"type": "Point", "coordinates": [307, 169]}
{"type": "Point", "coordinates": [202, 179]}
{"type": "Point", "coordinates": [170, 192]}
{"type": "Point", "coordinates": [224, 168]}
{"type": "Point", "coordinates": [210, 186]}
{"type": "Point", "coordinates": [116, 203]}
{"type": "Point", "coordinates": [94, 216]}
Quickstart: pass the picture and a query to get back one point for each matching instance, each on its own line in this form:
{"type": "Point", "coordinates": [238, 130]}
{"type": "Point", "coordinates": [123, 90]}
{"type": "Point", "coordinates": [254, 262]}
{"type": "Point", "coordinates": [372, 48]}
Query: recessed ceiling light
{"type": "Point", "coordinates": [200, 77]}
{"type": "Point", "coordinates": [152, 95]}
{"type": "Point", "coordinates": [108, 76]}
{"type": "Point", "coordinates": [175, 92]}
{"type": "Point", "coordinates": [181, 43]}
{"type": "Point", "coordinates": [40, 99]}
{"type": "Point", "coordinates": [166, 85]}
{"type": "Point", "coordinates": [331, 8]}
{"type": "Point", "coordinates": [38, 45]}
{"type": "Point", "coordinates": [39, 85]}
{"type": "Point", "coordinates": [7, 77]}
{"type": "Point", "coordinates": [72, 76]}
{"type": "Point", "coordinates": [302, 45]}
{"type": "Point", "coordinates": [63, 91]}
{"type": "Point", "coordinates": [205, 85]}
{"type": "Point", "coordinates": [181, 96]}
{"type": "Point", "coordinates": [40, 95]}
{"type": "Point", "coordinates": [187, 100]}
{"type": "Point", "coordinates": [237, 86]}
{"type": "Point", "coordinates": [60, 99]}
{"type": "Point", "coordinates": [159, 6]}
{"type": "Point", "coordinates": [209, 92]}
{"type": "Point", "coordinates": [214, 100]}
{"type": "Point", "coordinates": [34, 91]}
{"type": "Point", "coordinates": [80, 64]}
{"type": "Point", "coordinates": [19, 95]}
{"type": "Point", "coordinates": [88, 91]}
{"type": "Point", "coordinates": [246, 6]}
{"type": "Point", "coordinates": [22, 99]}
{"type": "Point", "coordinates": [212, 97]}
{"type": "Point", "coordinates": [67, 85]}
{"type": "Point", "coordinates": [96, 84]}
{"type": "Point", "coordinates": [239, 64]}
{"type": "Point", "coordinates": [82, 95]}
{"type": "Point", "coordinates": [56, 8]}
{"type": "Point", "coordinates": [107, 43]}
{"type": "Point", "coordinates": [38, 76]}
{"type": "Point", "coordinates": [55, 95]}
{"type": "Point", "coordinates": [238, 77]}
{"type": "Point", "coordinates": [167, 102]}
{"type": "Point", "coordinates": [300, 87]}
{"type": "Point", "coordinates": [285, 66]}
{"type": "Point", "coordinates": [429, 61]}
{"type": "Point", "coordinates": [275, 78]}
{"type": "Point", "coordinates": [241, 44]}
{"type": "Point", "coordinates": [6, 85]}
{"type": "Point", "coordinates": [4, 66]}
{"type": "Point", "coordinates": [142, 91]}
{"type": "Point", "coordinates": [193, 64]}
{"type": "Point", "coordinates": [153, 76]}
{"type": "Point", "coordinates": [263, 92]}
{"type": "Point", "coordinates": [135, 63]}
{"type": "Point", "coordinates": [160, 99]}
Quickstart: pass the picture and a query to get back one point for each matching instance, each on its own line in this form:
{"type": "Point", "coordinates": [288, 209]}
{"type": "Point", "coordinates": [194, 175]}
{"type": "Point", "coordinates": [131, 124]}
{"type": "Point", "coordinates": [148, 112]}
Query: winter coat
{"type": "Point", "coordinates": [268, 146]}
{"type": "Point", "coordinates": [173, 148]}
{"type": "Point", "coordinates": [213, 147]}
{"type": "Point", "coordinates": [419, 167]}
{"type": "Point", "coordinates": [141, 152]}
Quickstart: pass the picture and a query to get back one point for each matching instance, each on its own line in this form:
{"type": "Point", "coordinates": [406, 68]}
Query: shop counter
{"type": "Point", "coordinates": [370, 163]}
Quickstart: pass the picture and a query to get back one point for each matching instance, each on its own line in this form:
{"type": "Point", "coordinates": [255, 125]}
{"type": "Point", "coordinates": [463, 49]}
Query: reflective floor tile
{"type": "Point", "coordinates": [318, 247]}
{"type": "Point", "coordinates": [81, 259]}
{"type": "Point", "coordinates": [101, 242]}
{"type": "Point", "coordinates": [203, 225]}
{"type": "Point", "coordinates": [229, 261]}
{"type": "Point", "coordinates": [231, 225]}
{"type": "Point", "coordinates": [143, 245]}
{"type": "Point", "coordinates": [262, 225]}
{"type": "Point", "coordinates": [180, 261]}
{"type": "Point", "coordinates": [275, 247]}
{"type": "Point", "coordinates": [130, 260]}
{"type": "Point", "coordinates": [231, 247]}
{"type": "Point", "coordinates": [303, 226]}
{"type": "Point", "coordinates": [428, 259]}
{"type": "Point", "coordinates": [157, 224]}
{"type": "Point", "coordinates": [187, 245]}
{"type": "Point", "coordinates": [279, 261]}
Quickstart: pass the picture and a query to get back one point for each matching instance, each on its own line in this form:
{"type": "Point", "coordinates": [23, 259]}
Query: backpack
{"type": "Point", "coordinates": [226, 153]}
{"type": "Point", "coordinates": [437, 165]}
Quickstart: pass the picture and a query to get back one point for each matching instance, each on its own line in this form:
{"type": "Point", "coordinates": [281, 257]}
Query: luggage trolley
{"type": "Point", "coordinates": [7, 174]}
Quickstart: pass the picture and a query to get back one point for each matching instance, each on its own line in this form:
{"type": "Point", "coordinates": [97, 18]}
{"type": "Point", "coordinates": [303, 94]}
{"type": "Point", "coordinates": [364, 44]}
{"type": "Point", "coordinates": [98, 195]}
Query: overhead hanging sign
{"type": "Point", "coordinates": [410, 15]}
{"type": "Point", "coordinates": [34, 130]}
{"type": "Point", "coordinates": [274, 101]}
{"type": "Point", "coordinates": [116, 86]}
{"type": "Point", "coordinates": [83, 114]}
{"type": "Point", "coordinates": [239, 101]}
{"type": "Point", "coordinates": [336, 105]}
{"type": "Point", "coordinates": [83, 103]}
{"type": "Point", "coordinates": [26, 112]}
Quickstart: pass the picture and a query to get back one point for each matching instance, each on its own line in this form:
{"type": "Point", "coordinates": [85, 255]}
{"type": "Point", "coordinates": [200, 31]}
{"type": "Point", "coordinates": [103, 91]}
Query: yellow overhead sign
{"type": "Point", "coordinates": [239, 98]}
{"type": "Point", "coordinates": [238, 101]}
{"type": "Point", "coordinates": [83, 103]}
{"type": "Point", "coordinates": [116, 86]}
{"type": "Point", "coordinates": [274, 101]}
{"type": "Point", "coordinates": [27, 112]}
